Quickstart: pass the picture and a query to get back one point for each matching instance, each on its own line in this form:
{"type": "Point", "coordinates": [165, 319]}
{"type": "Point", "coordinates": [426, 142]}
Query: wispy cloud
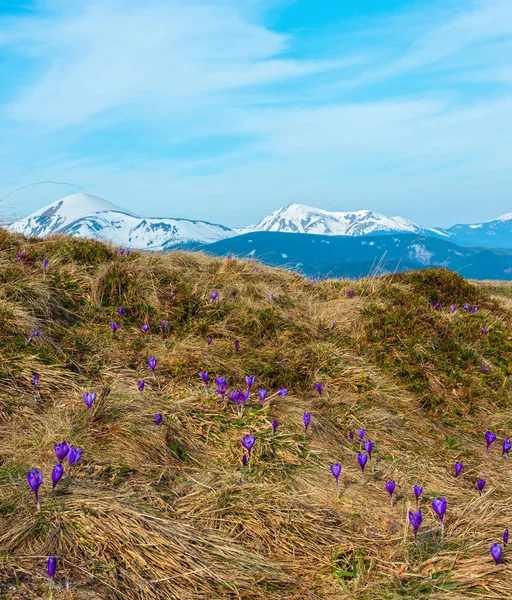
{"type": "Point", "coordinates": [214, 113]}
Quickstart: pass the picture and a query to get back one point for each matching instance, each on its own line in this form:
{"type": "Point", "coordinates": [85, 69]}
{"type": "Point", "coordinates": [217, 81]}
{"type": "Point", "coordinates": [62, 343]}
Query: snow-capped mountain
{"type": "Point", "coordinates": [491, 234]}
{"type": "Point", "coordinates": [297, 218]}
{"type": "Point", "coordinates": [82, 215]}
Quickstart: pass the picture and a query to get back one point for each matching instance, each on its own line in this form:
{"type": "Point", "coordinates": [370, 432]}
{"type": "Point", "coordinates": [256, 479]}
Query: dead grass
{"type": "Point", "coordinates": [160, 513]}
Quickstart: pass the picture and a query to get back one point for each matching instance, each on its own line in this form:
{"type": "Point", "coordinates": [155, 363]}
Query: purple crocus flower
{"type": "Point", "coordinates": [249, 380]}
{"type": "Point", "coordinates": [35, 479]}
{"type": "Point", "coordinates": [307, 421]}
{"type": "Point", "coordinates": [255, 270]}
{"type": "Point", "coordinates": [282, 392]}
{"type": "Point", "coordinates": [248, 442]}
{"type": "Point", "coordinates": [209, 341]}
{"type": "Point", "coordinates": [222, 386]}
{"type": "Point", "coordinates": [490, 438]}
{"type": "Point", "coordinates": [74, 455]}
{"type": "Point", "coordinates": [214, 296]}
{"type": "Point", "coordinates": [415, 519]}
{"type": "Point", "coordinates": [336, 470]}
{"type": "Point", "coordinates": [52, 566]}
{"type": "Point", "coordinates": [121, 251]}
{"type": "Point", "coordinates": [237, 345]}
{"type": "Point", "coordinates": [35, 334]}
{"type": "Point", "coordinates": [362, 459]}
{"type": "Point", "coordinates": [496, 552]}
{"type": "Point", "coordinates": [163, 324]}
{"type": "Point", "coordinates": [466, 307]}
{"type": "Point", "coordinates": [45, 265]}
{"type": "Point", "coordinates": [140, 385]}
{"type": "Point", "coordinates": [152, 364]}
{"type": "Point", "coordinates": [244, 461]}
{"type": "Point", "coordinates": [145, 327]}
{"type": "Point", "coordinates": [333, 323]}
{"type": "Point", "coordinates": [89, 399]}
{"type": "Point", "coordinates": [437, 305]}
{"type": "Point", "coordinates": [128, 251]}
{"type": "Point", "coordinates": [453, 308]}
{"type": "Point", "coordinates": [121, 311]}
{"type": "Point", "coordinates": [368, 446]}
{"type": "Point", "coordinates": [351, 436]}
{"type": "Point", "coordinates": [58, 471]}
{"type": "Point", "coordinates": [505, 537]}
{"type": "Point", "coordinates": [480, 484]}
{"type": "Point", "coordinates": [319, 388]}
{"type": "Point", "coordinates": [158, 419]}
{"type": "Point", "coordinates": [262, 394]}
{"type": "Point", "coordinates": [271, 296]}
{"type": "Point", "coordinates": [61, 450]}
{"type": "Point", "coordinates": [35, 380]}
{"type": "Point", "coordinates": [361, 433]}
{"type": "Point", "coordinates": [274, 425]}
{"type": "Point", "coordinates": [439, 505]}
{"type": "Point", "coordinates": [458, 468]}
{"type": "Point", "coordinates": [351, 293]}
{"type": "Point", "coordinates": [484, 330]}
{"type": "Point", "coordinates": [507, 446]}
{"type": "Point", "coordinates": [114, 326]}
{"type": "Point", "coordinates": [418, 490]}
{"type": "Point", "coordinates": [474, 309]}
{"type": "Point", "coordinates": [390, 487]}
{"type": "Point", "coordinates": [204, 377]}
{"type": "Point", "coordinates": [485, 370]}
{"type": "Point", "coordinates": [21, 255]}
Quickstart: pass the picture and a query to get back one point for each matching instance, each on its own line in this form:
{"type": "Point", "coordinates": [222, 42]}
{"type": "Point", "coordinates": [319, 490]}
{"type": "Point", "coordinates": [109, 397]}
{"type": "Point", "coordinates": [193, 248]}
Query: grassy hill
{"type": "Point", "coordinates": [168, 512]}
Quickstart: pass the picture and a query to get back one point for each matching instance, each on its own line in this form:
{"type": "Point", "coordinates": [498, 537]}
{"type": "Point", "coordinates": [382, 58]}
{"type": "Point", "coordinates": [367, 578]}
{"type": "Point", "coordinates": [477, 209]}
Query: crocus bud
{"type": "Point", "coordinates": [204, 377]}
{"type": "Point", "coordinates": [145, 327]}
{"type": "Point", "coordinates": [319, 387]}
{"type": "Point", "coordinates": [490, 438]}
{"type": "Point", "coordinates": [496, 552]}
{"type": "Point", "coordinates": [121, 311]}
{"type": "Point", "coordinates": [507, 446]}
{"type": "Point", "coordinates": [210, 340]}
{"type": "Point", "coordinates": [390, 487]}
{"type": "Point", "coordinates": [361, 433]}
{"type": "Point", "coordinates": [35, 480]}
{"type": "Point", "coordinates": [274, 425]}
{"type": "Point", "coordinates": [163, 324]}
{"type": "Point", "coordinates": [484, 330]}
{"type": "Point", "coordinates": [362, 459]}
{"type": "Point", "coordinates": [458, 468]}
{"type": "Point", "coordinates": [262, 394]}
{"type": "Point", "coordinates": [249, 380]}
{"type": "Point", "coordinates": [21, 255]}
{"type": "Point", "coordinates": [114, 326]}
{"type": "Point", "coordinates": [52, 566]}
{"type": "Point", "coordinates": [244, 460]}
{"type": "Point", "coordinates": [121, 251]}
{"type": "Point", "coordinates": [480, 484]}
{"type": "Point", "coordinates": [351, 293]}
{"type": "Point", "coordinates": [89, 399]}
{"type": "Point", "coordinates": [248, 442]}
{"type": "Point", "coordinates": [282, 392]}
{"type": "Point", "coordinates": [336, 470]}
{"type": "Point", "coordinates": [368, 446]}
{"type": "Point", "coordinates": [45, 266]}
{"type": "Point", "coordinates": [439, 505]}
{"type": "Point", "coordinates": [74, 455]}
{"type": "Point", "coordinates": [140, 385]}
{"type": "Point", "coordinates": [307, 421]}
{"type": "Point", "coordinates": [237, 345]}
{"type": "Point", "coordinates": [158, 419]}
{"type": "Point", "coordinates": [152, 363]}
{"type": "Point", "coordinates": [351, 436]}
{"type": "Point", "coordinates": [214, 296]}
{"type": "Point", "coordinates": [418, 490]}
{"type": "Point", "coordinates": [58, 471]}
{"type": "Point", "coordinates": [415, 520]}
{"type": "Point", "coordinates": [505, 537]}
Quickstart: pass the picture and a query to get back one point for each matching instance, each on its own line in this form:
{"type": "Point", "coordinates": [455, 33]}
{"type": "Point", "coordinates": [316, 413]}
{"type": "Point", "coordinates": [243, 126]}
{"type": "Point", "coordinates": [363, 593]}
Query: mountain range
{"type": "Point", "coordinates": [311, 240]}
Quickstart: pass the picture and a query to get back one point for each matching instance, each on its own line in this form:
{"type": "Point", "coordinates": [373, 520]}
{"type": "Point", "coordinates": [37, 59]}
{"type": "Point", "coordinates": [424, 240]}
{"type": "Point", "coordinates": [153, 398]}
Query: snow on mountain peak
{"type": "Point", "coordinates": [298, 218]}
{"type": "Point", "coordinates": [505, 217]}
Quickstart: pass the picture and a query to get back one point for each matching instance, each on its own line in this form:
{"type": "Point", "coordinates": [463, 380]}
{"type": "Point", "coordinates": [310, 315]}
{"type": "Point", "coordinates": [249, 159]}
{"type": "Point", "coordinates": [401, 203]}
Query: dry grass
{"type": "Point", "coordinates": [160, 513]}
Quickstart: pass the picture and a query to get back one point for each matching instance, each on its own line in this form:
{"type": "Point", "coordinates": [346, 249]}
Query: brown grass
{"type": "Point", "coordinates": [161, 514]}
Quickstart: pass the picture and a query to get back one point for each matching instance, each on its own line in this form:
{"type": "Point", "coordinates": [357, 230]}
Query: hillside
{"type": "Point", "coordinates": [346, 256]}
{"type": "Point", "coordinates": [167, 511]}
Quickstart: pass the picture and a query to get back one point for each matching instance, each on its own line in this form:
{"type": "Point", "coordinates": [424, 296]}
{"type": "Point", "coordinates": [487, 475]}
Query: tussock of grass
{"type": "Point", "coordinates": [160, 513]}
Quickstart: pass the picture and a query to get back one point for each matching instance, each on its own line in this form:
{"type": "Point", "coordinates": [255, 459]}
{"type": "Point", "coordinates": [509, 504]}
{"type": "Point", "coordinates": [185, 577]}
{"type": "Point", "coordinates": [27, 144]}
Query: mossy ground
{"type": "Point", "coordinates": [160, 513]}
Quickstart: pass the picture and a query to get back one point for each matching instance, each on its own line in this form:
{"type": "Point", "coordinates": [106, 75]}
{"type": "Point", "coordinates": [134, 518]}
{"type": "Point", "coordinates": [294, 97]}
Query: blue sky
{"type": "Point", "coordinates": [225, 110]}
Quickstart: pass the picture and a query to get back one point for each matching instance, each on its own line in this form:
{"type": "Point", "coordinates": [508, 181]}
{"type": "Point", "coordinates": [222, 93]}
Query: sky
{"type": "Point", "coordinates": [225, 110]}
